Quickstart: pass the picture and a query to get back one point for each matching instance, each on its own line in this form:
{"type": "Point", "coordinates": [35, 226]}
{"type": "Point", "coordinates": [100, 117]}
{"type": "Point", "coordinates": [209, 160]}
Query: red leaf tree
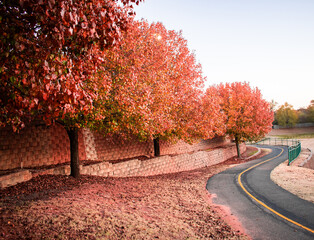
{"type": "Point", "coordinates": [248, 115]}
{"type": "Point", "coordinates": [50, 56]}
{"type": "Point", "coordinates": [157, 87]}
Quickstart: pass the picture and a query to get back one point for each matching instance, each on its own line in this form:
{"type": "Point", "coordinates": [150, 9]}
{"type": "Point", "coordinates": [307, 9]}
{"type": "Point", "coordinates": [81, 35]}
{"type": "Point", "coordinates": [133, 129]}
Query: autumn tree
{"type": "Point", "coordinates": [211, 120]}
{"type": "Point", "coordinates": [157, 86]}
{"type": "Point", "coordinates": [306, 115]}
{"type": "Point", "coordinates": [50, 59]}
{"type": "Point", "coordinates": [310, 109]}
{"type": "Point", "coordinates": [303, 115]}
{"type": "Point", "coordinates": [248, 115]}
{"type": "Point", "coordinates": [286, 115]}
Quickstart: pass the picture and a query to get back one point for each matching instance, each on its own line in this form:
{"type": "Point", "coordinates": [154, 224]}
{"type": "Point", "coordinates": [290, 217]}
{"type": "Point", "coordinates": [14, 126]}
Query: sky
{"type": "Point", "coordinates": [268, 43]}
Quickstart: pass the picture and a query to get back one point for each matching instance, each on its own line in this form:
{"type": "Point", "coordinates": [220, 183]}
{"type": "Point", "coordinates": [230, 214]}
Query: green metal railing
{"type": "Point", "coordinates": [294, 152]}
{"type": "Point", "coordinates": [294, 146]}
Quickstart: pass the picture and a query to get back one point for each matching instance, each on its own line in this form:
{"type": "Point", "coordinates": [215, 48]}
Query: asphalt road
{"type": "Point", "coordinates": [265, 210]}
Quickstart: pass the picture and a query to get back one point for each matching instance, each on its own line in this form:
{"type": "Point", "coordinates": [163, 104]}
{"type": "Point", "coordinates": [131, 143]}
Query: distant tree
{"type": "Point", "coordinates": [50, 59]}
{"type": "Point", "coordinates": [286, 116]}
{"type": "Point", "coordinates": [310, 109]}
{"type": "Point", "coordinates": [303, 115]}
{"type": "Point", "coordinates": [248, 115]}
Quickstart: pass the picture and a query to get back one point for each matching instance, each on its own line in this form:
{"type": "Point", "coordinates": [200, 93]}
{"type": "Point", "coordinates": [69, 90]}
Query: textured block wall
{"type": "Point", "coordinates": [37, 146]}
{"type": "Point", "coordinates": [104, 148]}
{"type": "Point", "coordinates": [98, 146]}
{"type": "Point", "coordinates": [164, 164]}
{"type": "Point", "coordinates": [150, 167]}
{"type": "Point", "coordinates": [33, 146]}
{"type": "Point", "coordinates": [15, 178]}
{"type": "Point", "coordinates": [168, 148]}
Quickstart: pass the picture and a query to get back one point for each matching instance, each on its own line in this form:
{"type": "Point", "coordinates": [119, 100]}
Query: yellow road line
{"type": "Point", "coordinates": [263, 204]}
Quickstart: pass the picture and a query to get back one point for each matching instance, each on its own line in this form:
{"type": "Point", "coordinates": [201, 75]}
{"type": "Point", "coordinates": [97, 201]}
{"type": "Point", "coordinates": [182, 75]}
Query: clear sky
{"type": "Point", "coordinates": [268, 43]}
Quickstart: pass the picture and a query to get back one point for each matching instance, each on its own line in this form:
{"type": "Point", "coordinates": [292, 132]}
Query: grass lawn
{"type": "Point", "coordinates": [295, 136]}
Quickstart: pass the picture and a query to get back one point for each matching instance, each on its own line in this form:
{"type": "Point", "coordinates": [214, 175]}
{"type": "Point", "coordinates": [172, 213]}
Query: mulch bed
{"type": "Point", "coordinates": [172, 206]}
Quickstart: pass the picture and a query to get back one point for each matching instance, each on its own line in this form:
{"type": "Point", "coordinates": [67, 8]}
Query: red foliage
{"type": "Point", "coordinates": [156, 86]}
{"type": "Point", "coordinates": [249, 116]}
{"type": "Point", "coordinates": [50, 52]}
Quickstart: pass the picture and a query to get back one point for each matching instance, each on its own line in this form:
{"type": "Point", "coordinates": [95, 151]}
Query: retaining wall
{"type": "Point", "coordinates": [163, 164]}
{"type": "Point", "coordinates": [15, 178]}
{"type": "Point", "coordinates": [34, 146]}
{"type": "Point", "coordinates": [37, 146]}
{"type": "Point", "coordinates": [135, 167]}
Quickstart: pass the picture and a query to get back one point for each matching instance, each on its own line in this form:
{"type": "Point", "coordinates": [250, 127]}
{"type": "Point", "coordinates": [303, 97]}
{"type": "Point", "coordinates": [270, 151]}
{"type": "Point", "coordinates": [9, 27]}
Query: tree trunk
{"type": "Point", "coordinates": [156, 147]}
{"type": "Point", "coordinates": [75, 164]}
{"type": "Point", "coordinates": [238, 146]}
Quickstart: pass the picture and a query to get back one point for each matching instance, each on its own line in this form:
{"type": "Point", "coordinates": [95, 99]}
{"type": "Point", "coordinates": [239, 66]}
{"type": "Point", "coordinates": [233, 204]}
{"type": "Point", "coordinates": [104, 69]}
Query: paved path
{"type": "Point", "coordinates": [273, 220]}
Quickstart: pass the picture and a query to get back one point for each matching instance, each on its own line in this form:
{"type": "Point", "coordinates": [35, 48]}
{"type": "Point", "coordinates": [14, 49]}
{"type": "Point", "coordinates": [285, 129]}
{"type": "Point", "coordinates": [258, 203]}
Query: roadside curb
{"type": "Point", "coordinates": [255, 154]}
{"type": "Point", "coordinates": [307, 159]}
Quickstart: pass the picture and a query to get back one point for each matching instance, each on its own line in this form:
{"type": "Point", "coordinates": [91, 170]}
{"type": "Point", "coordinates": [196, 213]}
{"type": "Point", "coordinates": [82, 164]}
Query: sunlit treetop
{"type": "Point", "coordinates": [157, 85]}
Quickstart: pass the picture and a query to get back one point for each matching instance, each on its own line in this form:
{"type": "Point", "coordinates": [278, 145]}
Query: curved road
{"type": "Point", "coordinates": [265, 210]}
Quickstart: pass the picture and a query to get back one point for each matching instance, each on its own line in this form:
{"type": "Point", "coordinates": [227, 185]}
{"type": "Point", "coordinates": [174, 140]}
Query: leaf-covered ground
{"type": "Point", "coordinates": [173, 206]}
